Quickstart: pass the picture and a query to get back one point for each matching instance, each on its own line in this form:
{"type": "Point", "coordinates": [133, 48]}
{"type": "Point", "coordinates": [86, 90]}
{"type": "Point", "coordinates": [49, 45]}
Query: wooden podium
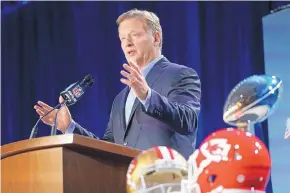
{"type": "Point", "coordinates": [64, 164]}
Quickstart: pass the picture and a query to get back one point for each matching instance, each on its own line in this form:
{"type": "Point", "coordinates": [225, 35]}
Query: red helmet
{"type": "Point", "coordinates": [230, 160]}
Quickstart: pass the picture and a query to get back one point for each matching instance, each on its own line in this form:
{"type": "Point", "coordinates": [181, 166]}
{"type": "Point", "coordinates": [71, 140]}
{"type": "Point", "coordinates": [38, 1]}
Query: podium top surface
{"type": "Point", "coordinates": [67, 140]}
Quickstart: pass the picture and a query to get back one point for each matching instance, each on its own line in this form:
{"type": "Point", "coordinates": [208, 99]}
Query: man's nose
{"type": "Point", "coordinates": [128, 43]}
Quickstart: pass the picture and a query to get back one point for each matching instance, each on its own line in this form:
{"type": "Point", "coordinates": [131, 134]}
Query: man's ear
{"type": "Point", "coordinates": [156, 38]}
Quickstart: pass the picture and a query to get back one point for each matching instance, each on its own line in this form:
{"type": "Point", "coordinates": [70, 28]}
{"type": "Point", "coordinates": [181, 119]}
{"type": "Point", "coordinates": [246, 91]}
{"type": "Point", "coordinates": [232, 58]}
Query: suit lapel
{"type": "Point", "coordinates": [156, 71]}
{"type": "Point", "coordinates": [151, 77]}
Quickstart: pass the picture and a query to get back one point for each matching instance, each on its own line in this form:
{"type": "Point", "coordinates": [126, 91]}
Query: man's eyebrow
{"type": "Point", "coordinates": [129, 32]}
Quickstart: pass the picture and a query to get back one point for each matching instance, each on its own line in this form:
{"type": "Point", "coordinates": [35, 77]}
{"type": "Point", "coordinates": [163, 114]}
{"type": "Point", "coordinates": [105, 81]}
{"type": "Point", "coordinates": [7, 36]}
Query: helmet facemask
{"type": "Point", "coordinates": [163, 176]}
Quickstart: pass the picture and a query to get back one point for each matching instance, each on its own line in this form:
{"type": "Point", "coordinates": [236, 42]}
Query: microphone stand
{"type": "Point", "coordinates": [54, 125]}
{"type": "Point", "coordinates": [35, 127]}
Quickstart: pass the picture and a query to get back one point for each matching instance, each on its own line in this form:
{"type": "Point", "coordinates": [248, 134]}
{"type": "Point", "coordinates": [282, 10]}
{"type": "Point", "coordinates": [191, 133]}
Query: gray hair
{"type": "Point", "coordinates": [151, 19]}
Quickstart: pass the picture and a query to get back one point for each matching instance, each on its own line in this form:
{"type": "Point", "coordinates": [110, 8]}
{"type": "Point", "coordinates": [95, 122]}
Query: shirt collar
{"type": "Point", "coordinates": [145, 70]}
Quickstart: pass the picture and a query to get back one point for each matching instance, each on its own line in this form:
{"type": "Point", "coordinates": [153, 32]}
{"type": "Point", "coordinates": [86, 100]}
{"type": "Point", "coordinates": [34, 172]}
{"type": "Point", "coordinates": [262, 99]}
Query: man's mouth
{"type": "Point", "coordinates": [131, 52]}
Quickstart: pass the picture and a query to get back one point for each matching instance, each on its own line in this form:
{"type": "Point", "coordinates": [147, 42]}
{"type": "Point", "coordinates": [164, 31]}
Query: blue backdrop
{"type": "Point", "coordinates": [48, 45]}
{"type": "Point", "coordinates": [276, 33]}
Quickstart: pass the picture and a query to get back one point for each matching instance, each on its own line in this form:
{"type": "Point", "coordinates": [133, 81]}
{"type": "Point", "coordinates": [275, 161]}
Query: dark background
{"type": "Point", "coordinates": [46, 46]}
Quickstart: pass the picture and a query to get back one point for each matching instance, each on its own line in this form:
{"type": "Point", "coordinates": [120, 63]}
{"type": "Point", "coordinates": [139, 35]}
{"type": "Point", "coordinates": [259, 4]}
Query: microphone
{"type": "Point", "coordinates": [75, 91]}
{"type": "Point", "coordinates": [72, 94]}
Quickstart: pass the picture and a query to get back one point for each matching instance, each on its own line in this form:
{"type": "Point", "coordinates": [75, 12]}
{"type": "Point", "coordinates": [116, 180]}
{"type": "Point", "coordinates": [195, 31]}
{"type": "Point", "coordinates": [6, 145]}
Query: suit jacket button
{"type": "Point", "coordinates": [125, 143]}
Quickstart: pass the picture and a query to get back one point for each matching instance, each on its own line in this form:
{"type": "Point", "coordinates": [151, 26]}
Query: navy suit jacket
{"type": "Point", "coordinates": [172, 115]}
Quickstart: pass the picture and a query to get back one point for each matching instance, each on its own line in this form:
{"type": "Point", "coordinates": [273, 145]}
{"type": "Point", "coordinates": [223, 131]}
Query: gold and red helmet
{"type": "Point", "coordinates": [229, 161]}
{"type": "Point", "coordinates": [158, 169]}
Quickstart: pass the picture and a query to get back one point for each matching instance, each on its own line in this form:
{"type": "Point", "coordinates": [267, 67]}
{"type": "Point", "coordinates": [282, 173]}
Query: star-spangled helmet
{"type": "Point", "coordinates": [229, 161]}
{"type": "Point", "coordinates": [158, 169]}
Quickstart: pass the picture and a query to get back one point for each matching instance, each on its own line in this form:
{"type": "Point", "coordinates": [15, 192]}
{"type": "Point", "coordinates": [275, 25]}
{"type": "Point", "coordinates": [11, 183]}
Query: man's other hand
{"type": "Point", "coordinates": [135, 80]}
{"type": "Point", "coordinates": [63, 117]}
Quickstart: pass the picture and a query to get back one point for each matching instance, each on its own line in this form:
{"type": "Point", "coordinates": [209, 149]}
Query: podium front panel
{"type": "Point", "coordinates": [33, 172]}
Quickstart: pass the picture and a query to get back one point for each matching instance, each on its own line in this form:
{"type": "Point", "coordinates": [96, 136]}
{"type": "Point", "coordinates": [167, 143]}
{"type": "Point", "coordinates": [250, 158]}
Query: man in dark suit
{"type": "Point", "coordinates": [161, 101]}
